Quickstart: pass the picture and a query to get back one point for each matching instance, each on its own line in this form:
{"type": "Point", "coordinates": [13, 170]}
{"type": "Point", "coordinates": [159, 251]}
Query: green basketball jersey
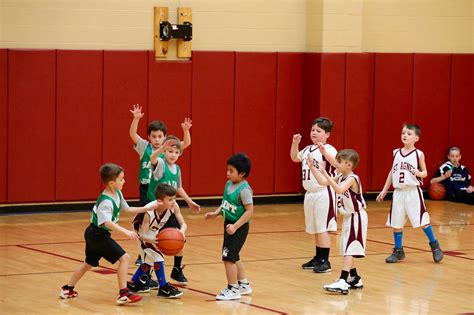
{"type": "Point", "coordinates": [145, 171]}
{"type": "Point", "coordinates": [232, 209]}
{"type": "Point", "coordinates": [115, 214]}
{"type": "Point", "coordinates": [169, 178]}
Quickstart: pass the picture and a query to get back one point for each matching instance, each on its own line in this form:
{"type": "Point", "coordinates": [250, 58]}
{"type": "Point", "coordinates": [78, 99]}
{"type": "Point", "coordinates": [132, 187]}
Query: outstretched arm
{"type": "Point", "coordinates": [212, 214]}
{"type": "Point", "coordinates": [294, 148]}
{"type": "Point", "coordinates": [186, 125]}
{"type": "Point", "coordinates": [137, 115]}
{"type": "Point", "coordinates": [195, 208]}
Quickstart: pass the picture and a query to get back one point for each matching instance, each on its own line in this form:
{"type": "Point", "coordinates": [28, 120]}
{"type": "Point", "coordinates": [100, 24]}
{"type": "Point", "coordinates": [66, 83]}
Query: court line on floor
{"type": "Point", "coordinates": [131, 274]}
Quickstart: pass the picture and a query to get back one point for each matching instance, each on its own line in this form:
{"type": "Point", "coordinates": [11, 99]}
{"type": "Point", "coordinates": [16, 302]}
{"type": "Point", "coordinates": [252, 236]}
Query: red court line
{"type": "Point", "coordinates": [190, 289]}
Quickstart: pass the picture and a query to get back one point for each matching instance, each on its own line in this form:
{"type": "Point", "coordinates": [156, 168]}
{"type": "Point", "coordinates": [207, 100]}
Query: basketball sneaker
{"type": "Point", "coordinates": [169, 292]}
{"type": "Point", "coordinates": [310, 264]}
{"type": "Point", "coordinates": [322, 266]}
{"type": "Point", "coordinates": [355, 282]}
{"type": "Point", "coordinates": [245, 288]}
{"type": "Point", "coordinates": [152, 284]}
{"type": "Point", "coordinates": [125, 296]}
{"type": "Point", "coordinates": [178, 275]}
{"type": "Point", "coordinates": [340, 286]}
{"type": "Point", "coordinates": [397, 254]}
{"type": "Point", "coordinates": [229, 293]}
{"type": "Point", "coordinates": [139, 287]}
{"type": "Point", "coordinates": [67, 292]}
{"type": "Point", "coordinates": [436, 250]}
{"type": "Point", "coordinates": [138, 262]}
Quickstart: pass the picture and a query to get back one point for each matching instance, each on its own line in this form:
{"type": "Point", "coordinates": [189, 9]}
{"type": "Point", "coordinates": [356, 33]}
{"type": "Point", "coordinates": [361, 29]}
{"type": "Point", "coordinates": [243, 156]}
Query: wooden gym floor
{"type": "Point", "coordinates": [39, 252]}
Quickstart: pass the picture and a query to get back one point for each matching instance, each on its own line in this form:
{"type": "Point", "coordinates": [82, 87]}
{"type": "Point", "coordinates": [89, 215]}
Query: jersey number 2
{"type": "Point", "coordinates": [401, 179]}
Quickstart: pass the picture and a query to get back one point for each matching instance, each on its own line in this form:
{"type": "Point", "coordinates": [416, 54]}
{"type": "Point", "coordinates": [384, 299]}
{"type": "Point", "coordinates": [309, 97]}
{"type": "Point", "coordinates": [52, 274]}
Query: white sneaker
{"type": "Point", "coordinates": [229, 294]}
{"type": "Point", "coordinates": [340, 286]}
{"type": "Point", "coordinates": [355, 282]}
{"type": "Point", "coordinates": [245, 288]}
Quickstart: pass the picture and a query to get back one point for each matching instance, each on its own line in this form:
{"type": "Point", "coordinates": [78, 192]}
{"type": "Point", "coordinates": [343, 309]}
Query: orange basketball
{"type": "Point", "coordinates": [170, 241]}
{"type": "Point", "coordinates": [437, 191]}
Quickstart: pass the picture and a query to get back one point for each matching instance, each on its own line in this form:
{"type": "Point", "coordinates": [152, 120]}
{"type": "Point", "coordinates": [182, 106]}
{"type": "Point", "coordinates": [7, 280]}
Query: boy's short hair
{"type": "Point", "coordinates": [109, 172]}
{"type": "Point", "coordinates": [348, 155]}
{"type": "Point", "coordinates": [241, 162]}
{"type": "Point", "coordinates": [323, 123]}
{"type": "Point", "coordinates": [157, 125]}
{"type": "Point", "coordinates": [453, 149]}
{"type": "Point", "coordinates": [164, 190]}
{"type": "Point", "coordinates": [177, 142]}
{"type": "Point", "coordinates": [413, 127]}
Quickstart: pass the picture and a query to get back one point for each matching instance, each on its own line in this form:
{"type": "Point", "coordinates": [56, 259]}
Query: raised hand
{"type": "Point", "coordinates": [137, 111]}
{"type": "Point", "coordinates": [187, 123]}
{"type": "Point", "coordinates": [296, 138]}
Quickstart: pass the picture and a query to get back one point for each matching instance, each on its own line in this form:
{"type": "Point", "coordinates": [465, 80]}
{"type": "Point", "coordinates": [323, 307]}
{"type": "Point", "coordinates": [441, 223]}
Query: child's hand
{"type": "Point", "coordinates": [417, 173]}
{"type": "Point", "coordinates": [380, 196]}
{"type": "Point", "coordinates": [311, 162]}
{"type": "Point", "coordinates": [169, 144]}
{"type": "Point", "coordinates": [195, 208]}
{"type": "Point", "coordinates": [137, 111]}
{"type": "Point", "coordinates": [448, 174]}
{"type": "Point", "coordinates": [210, 215]}
{"type": "Point", "coordinates": [230, 229]}
{"type": "Point", "coordinates": [296, 138]}
{"type": "Point", "coordinates": [321, 147]}
{"type": "Point", "coordinates": [470, 189]}
{"type": "Point", "coordinates": [131, 235]}
{"type": "Point", "coordinates": [187, 124]}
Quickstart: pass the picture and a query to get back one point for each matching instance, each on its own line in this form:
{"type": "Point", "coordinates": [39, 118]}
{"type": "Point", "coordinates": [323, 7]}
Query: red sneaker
{"type": "Point", "coordinates": [66, 293]}
{"type": "Point", "coordinates": [125, 296]}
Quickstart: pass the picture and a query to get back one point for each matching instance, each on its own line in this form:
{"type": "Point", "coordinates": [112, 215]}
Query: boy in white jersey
{"type": "Point", "coordinates": [407, 172]}
{"type": "Point", "coordinates": [237, 209]}
{"type": "Point", "coordinates": [147, 227]}
{"type": "Point", "coordinates": [156, 134]}
{"type": "Point", "coordinates": [99, 243]}
{"type": "Point", "coordinates": [319, 200]}
{"type": "Point", "coordinates": [351, 204]}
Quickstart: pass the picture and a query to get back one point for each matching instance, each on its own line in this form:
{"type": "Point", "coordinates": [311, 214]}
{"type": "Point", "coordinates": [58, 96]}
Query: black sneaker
{"type": "Point", "coordinates": [139, 287]}
{"type": "Point", "coordinates": [310, 264]}
{"type": "Point", "coordinates": [437, 252]}
{"type": "Point", "coordinates": [178, 275]}
{"type": "Point", "coordinates": [138, 262]}
{"type": "Point", "coordinates": [322, 266]}
{"type": "Point", "coordinates": [169, 292]}
{"type": "Point", "coordinates": [149, 282]}
{"type": "Point", "coordinates": [397, 254]}
{"type": "Point", "coordinates": [355, 282]}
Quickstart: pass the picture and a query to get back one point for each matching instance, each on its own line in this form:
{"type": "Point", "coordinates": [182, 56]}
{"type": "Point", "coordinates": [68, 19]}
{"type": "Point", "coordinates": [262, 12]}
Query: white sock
{"type": "Point", "coordinates": [244, 281]}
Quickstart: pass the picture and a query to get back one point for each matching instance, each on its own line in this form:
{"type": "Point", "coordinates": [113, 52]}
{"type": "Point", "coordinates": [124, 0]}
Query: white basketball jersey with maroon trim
{"type": "Point", "coordinates": [350, 201]}
{"type": "Point", "coordinates": [309, 182]}
{"type": "Point", "coordinates": [403, 168]}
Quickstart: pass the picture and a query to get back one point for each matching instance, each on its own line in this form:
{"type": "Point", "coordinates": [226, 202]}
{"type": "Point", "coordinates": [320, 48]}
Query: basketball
{"type": "Point", "coordinates": [437, 191]}
{"type": "Point", "coordinates": [170, 241]}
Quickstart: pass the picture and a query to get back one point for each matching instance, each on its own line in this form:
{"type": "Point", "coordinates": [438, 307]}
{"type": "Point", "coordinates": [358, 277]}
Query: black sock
{"type": "Point", "coordinates": [353, 272]}
{"type": "Point", "coordinates": [324, 253]}
{"type": "Point", "coordinates": [67, 287]}
{"type": "Point", "coordinates": [318, 253]}
{"type": "Point", "coordinates": [344, 274]}
{"type": "Point", "coordinates": [177, 261]}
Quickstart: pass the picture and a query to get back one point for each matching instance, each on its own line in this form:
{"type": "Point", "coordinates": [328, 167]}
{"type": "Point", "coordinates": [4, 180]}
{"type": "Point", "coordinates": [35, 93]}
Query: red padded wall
{"type": "Point", "coordinates": [212, 114]}
{"type": "Point", "coordinates": [288, 120]}
{"type": "Point", "coordinates": [78, 124]}
{"type": "Point", "coordinates": [333, 72]}
{"type": "Point", "coordinates": [431, 88]}
{"type": "Point", "coordinates": [393, 99]}
{"type": "Point", "coordinates": [462, 108]}
{"type": "Point", "coordinates": [254, 117]}
{"type": "Point", "coordinates": [125, 84]}
{"type": "Point", "coordinates": [3, 123]}
{"type": "Point", "coordinates": [359, 103]}
{"type": "Point", "coordinates": [31, 125]}
{"type": "Point", "coordinates": [169, 100]}
{"type": "Point", "coordinates": [311, 94]}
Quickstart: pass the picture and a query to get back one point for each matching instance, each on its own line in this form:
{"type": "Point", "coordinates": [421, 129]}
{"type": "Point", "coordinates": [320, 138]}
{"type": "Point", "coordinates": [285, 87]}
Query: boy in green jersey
{"type": "Point", "coordinates": [99, 243]}
{"type": "Point", "coordinates": [236, 208]}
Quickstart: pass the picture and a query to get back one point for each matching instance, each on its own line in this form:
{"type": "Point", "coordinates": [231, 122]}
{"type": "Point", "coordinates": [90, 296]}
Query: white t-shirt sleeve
{"type": "Point", "coordinates": [159, 169]}
{"type": "Point", "coordinates": [246, 196]}
{"type": "Point", "coordinates": [104, 212]}
{"type": "Point", "coordinates": [140, 147]}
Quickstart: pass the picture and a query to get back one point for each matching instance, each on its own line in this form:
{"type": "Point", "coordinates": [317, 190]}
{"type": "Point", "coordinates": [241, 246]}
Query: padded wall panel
{"type": "Point", "coordinates": [3, 123]}
{"type": "Point", "coordinates": [212, 113]}
{"type": "Point", "coordinates": [358, 125]}
{"type": "Point", "coordinates": [31, 125]}
{"type": "Point", "coordinates": [311, 94]}
{"type": "Point", "coordinates": [78, 124]}
{"type": "Point", "coordinates": [254, 120]}
{"type": "Point", "coordinates": [393, 99]}
{"type": "Point", "coordinates": [288, 120]}
{"type": "Point", "coordinates": [462, 108]}
{"type": "Point", "coordinates": [125, 84]}
{"type": "Point", "coordinates": [431, 88]}
{"type": "Point", "coordinates": [333, 71]}
{"type": "Point", "coordinates": [169, 99]}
